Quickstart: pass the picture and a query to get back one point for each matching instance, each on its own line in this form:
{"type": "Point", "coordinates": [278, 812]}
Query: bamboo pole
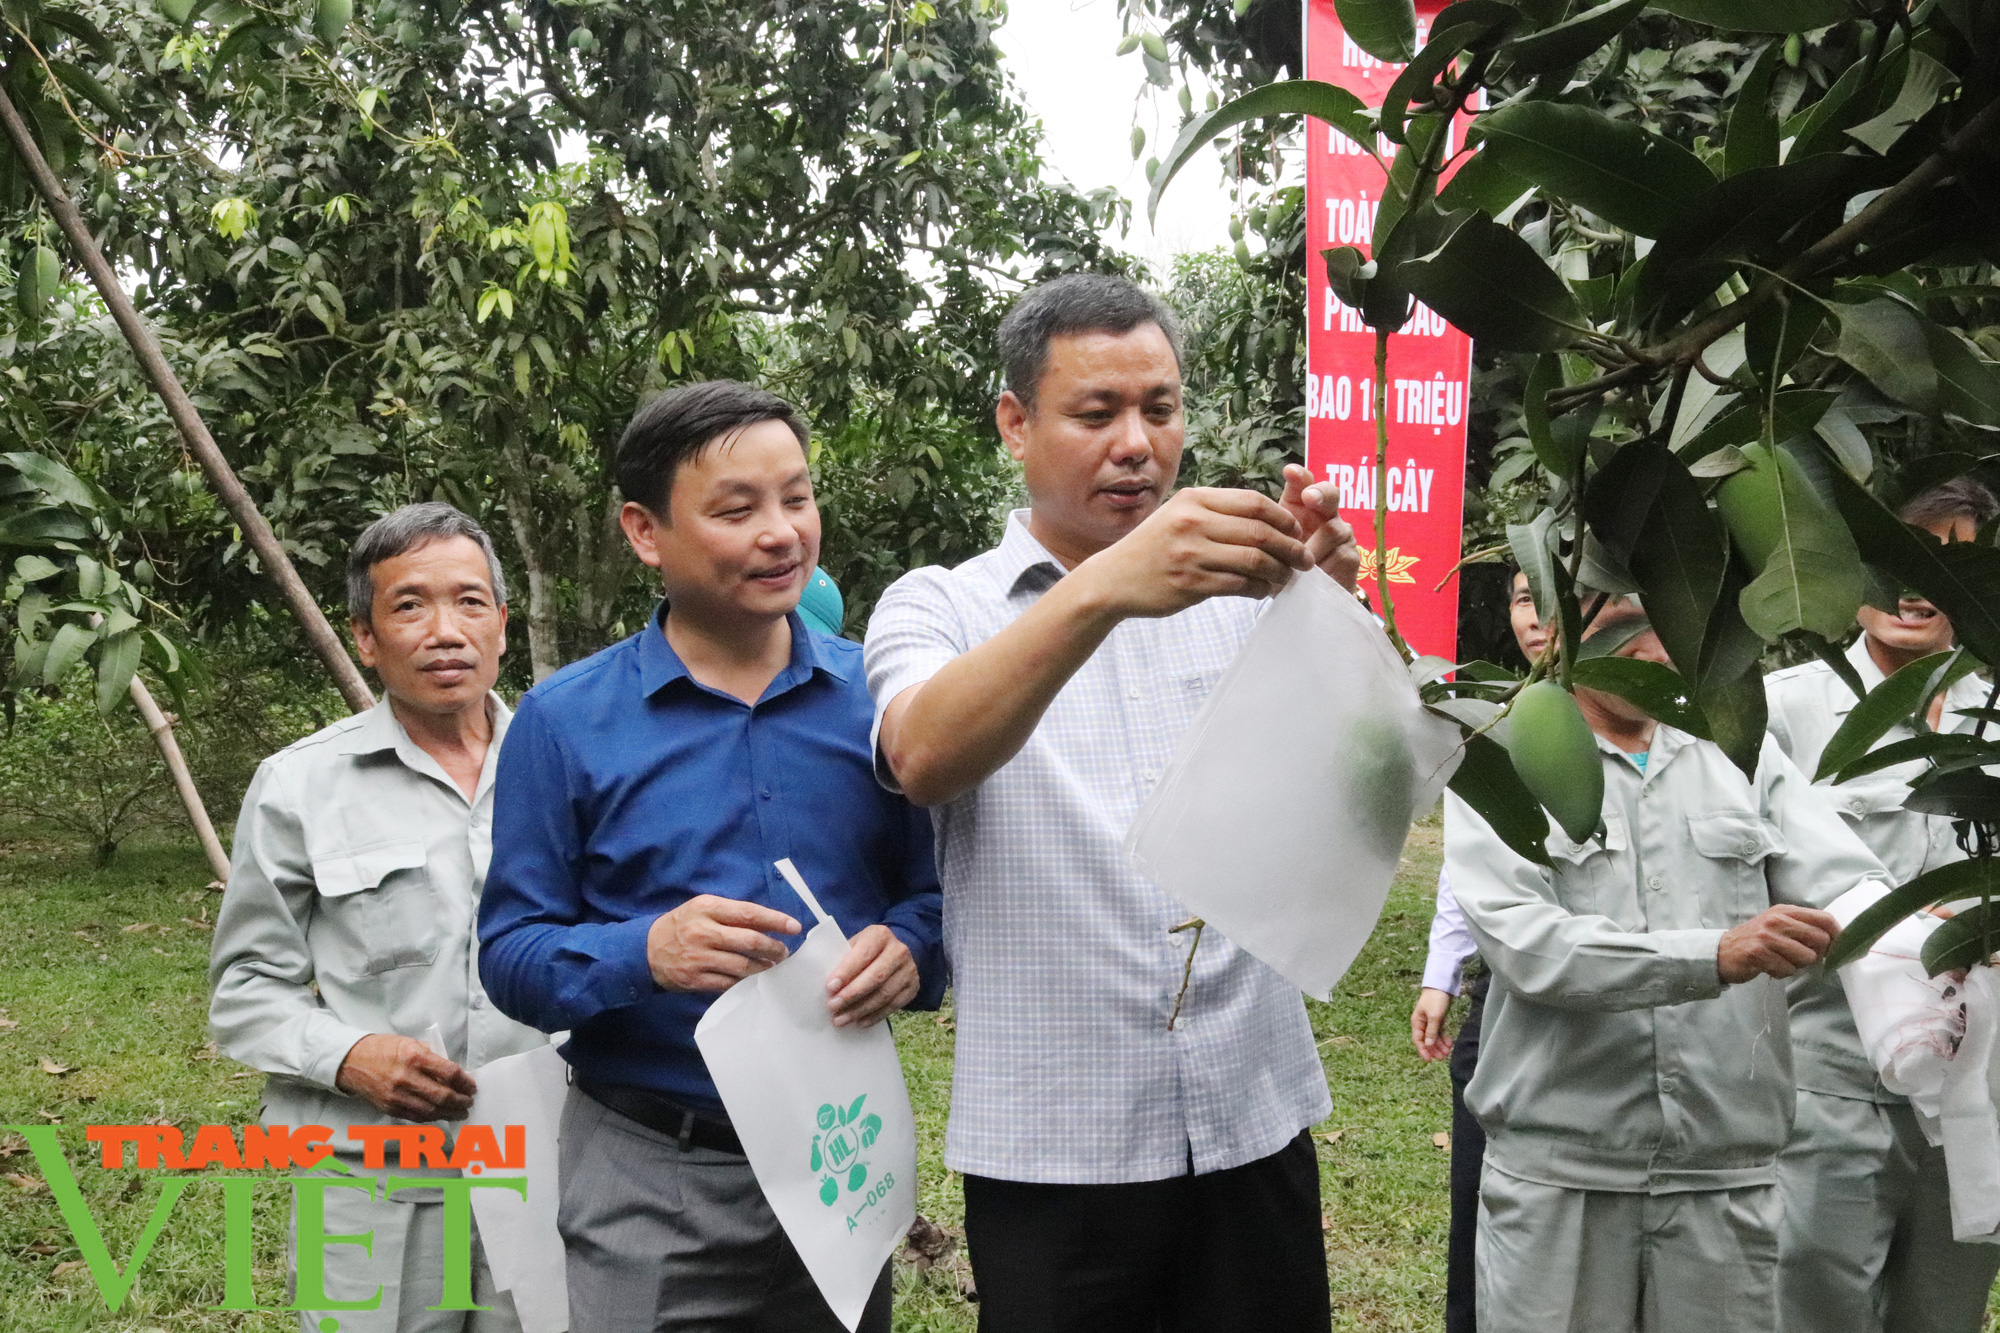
{"type": "Point", "coordinates": [162, 731]}
{"type": "Point", "coordinates": [256, 532]}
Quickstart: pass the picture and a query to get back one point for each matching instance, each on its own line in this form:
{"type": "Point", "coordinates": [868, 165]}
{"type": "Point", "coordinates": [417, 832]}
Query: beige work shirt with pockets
{"type": "Point", "coordinates": [352, 909]}
{"type": "Point", "coordinates": [1613, 1057]}
{"type": "Point", "coordinates": [1808, 704]}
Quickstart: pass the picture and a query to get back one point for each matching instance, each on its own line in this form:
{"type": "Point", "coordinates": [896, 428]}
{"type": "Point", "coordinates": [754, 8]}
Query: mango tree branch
{"type": "Point", "coordinates": [162, 731]}
{"type": "Point", "coordinates": [256, 532]}
{"type": "Point", "coordinates": [1381, 392]}
{"type": "Point", "coordinates": [1686, 347]}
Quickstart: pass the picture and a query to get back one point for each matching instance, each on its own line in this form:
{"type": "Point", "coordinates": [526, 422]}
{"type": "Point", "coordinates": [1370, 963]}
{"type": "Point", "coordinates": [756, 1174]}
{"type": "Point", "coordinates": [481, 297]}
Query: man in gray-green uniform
{"type": "Point", "coordinates": [1635, 1075]}
{"type": "Point", "coordinates": [1866, 1241]}
{"type": "Point", "coordinates": [344, 963]}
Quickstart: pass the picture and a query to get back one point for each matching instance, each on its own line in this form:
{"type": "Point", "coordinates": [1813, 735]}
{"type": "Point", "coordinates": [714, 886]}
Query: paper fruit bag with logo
{"type": "Point", "coordinates": [823, 1113]}
{"type": "Point", "coordinates": [1282, 817]}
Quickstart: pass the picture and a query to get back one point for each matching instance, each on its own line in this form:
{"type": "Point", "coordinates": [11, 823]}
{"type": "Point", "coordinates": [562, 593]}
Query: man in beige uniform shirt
{"type": "Point", "coordinates": [1635, 1075]}
{"type": "Point", "coordinates": [344, 963]}
{"type": "Point", "coordinates": [1866, 1242]}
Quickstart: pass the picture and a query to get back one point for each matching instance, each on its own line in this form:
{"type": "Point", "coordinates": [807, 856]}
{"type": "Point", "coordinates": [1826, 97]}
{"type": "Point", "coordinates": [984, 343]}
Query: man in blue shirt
{"type": "Point", "coordinates": [642, 799]}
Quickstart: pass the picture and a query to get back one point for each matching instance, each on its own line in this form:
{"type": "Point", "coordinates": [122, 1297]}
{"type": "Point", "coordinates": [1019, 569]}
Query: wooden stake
{"type": "Point", "coordinates": [256, 532]}
{"type": "Point", "coordinates": [163, 735]}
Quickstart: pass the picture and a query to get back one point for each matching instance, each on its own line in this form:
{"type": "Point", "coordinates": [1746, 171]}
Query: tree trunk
{"type": "Point", "coordinates": [544, 647]}
{"type": "Point", "coordinates": [257, 533]}
{"type": "Point", "coordinates": [604, 562]}
{"type": "Point", "coordinates": [163, 734]}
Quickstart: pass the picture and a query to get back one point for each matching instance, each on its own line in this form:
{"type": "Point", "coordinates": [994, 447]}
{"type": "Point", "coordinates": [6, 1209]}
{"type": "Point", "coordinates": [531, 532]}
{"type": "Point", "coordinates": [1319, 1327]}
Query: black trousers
{"type": "Point", "coordinates": [1240, 1249]}
{"type": "Point", "coordinates": [1468, 1153]}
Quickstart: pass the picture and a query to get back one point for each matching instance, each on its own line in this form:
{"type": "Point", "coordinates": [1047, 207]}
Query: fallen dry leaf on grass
{"type": "Point", "coordinates": [1326, 1221]}
{"type": "Point", "coordinates": [1441, 1139]}
{"type": "Point", "coordinates": [198, 925]}
{"type": "Point", "coordinates": [21, 1182]}
{"type": "Point", "coordinates": [926, 1243]}
{"type": "Point", "coordinates": [6, 1022]}
{"type": "Point", "coordinates": [51, 1067]}
{"type": "Point", "coordinates": [246, 1073]}
{"type": "Point", "coordinates": [136, 927]}
{"type": "Point", "coordinates": [44, 1249]}
{"type": "Point", "coordinates": [1335, 1136]}
{"type": "Point", "coordinates": [67, 1266]}
{"type": "Point", "coordinates": [49, 1116]}
{"type": "Point", "coordinates": [161, 952]}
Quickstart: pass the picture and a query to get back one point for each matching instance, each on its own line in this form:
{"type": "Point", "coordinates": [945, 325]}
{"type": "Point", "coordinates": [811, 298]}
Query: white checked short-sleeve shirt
{"type": "Point", "coordinates": [1063, 966]}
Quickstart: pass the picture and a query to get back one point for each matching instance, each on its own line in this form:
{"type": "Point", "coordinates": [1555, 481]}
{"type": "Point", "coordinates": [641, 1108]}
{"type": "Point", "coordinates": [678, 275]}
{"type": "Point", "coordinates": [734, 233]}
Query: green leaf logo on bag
{"type": "Point", "coordinates": [845, 1135]}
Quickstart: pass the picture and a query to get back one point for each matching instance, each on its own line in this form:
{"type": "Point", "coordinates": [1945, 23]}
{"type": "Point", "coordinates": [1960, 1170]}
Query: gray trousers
{"type": "Point", "coordinates": [406, 1259]}
{"type": "Point", "coordinates": [661, 1240]}
{"type": "Point", "coordinates": [1866, 1242]}
{"type": "Point", "coordinates": [1554, 1260]}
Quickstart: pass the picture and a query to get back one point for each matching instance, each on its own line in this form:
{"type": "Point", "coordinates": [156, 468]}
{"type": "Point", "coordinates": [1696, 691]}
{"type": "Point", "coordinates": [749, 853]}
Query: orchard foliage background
{"type": "Point", "coordinates": [1744, 284]}
{"type": "Point", "coordinates": [1706, 251]}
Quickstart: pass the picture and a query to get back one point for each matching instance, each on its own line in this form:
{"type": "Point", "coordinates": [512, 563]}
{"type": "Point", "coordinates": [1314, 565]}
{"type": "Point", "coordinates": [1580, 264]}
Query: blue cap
{"type": "Point", "coordinates": [820, 605]}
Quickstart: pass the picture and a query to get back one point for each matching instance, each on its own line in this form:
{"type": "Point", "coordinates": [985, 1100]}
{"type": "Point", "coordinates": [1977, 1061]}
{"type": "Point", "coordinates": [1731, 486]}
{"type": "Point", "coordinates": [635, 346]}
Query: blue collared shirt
{"type": "Point", "coordinates": [627, 787]}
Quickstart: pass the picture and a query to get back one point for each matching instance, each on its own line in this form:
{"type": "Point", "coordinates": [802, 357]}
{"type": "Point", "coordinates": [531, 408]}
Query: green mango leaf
{"type": "Point", "coordinates": [1794, 412]}
{"type": "Point", "coordinates": [115, 665]}
{"type": "Point", "coordinates": [1808, 570]}
{"type": "Point", "coordinates": [1490, 283]}
{"type": "Point", "coordinates": [1890, 703]}
{"type": "Point", "coordinates": [1819, 128]}
{"type": "Point", "coordinates": [1421, 73]}
{"type": "Point", "coordinates": [1924, 81]}
{"type": "Point", "coordinates": [1535, 554]}
{"type": "Point", "coordinates": [1649, 512]}
{"type": "Point", "coordinates": [52, 479]}
{"type": "Point", "coordinates": [1737, 713]}
{"type": "Point", "coordinates": [39, 527]}
{"type": "Point", "coordinates": [1385, 29]}
{"type": "Point", "coordinates": [1571, 41]}
{"type": "Point", "coordinates": [1625, 174]}
{"type": "Point", "coordinates": [1343, 274]}
{"type": "Point", "coordinates": [1751, 139]}
{"type": "Point", "coordinates": [1963, 793]}
{"type": "Point", "coordinates": [1487, 782]}
{"type": "Point", "coordinates": [1760, 15]}
{"type": "Point", "coordinates": [1966, 940]}
{"type": "Point", "coordinates": [87, 87]}
{"type": "Point", "coordinates": [78, 27]}
{"type": "Point", "coordinates": [1935, 746]}
{"type": "Point", "coordinates": [1748, 216]}
{"type": "Point", "coordinates": [66, 649]}
{"type": "Point", "coordinates": [1386, 296]}
{"type": "Point", "coordinates": [1884, 340]}
{"type": "Point", "coordinates": [1660, 691]}
{"type": "Point", "coordinates": [1968, 386]}
{"type": "Point", "coordinates": [1776, 336]}
{"type": "Point", "coordinates": [1947, 883]}
{"type": "Point", "coordinates": [1482, 182]}
{"type": "Point", "coordinates": [1291, 97]}
{"type": "Point", "coordinates": [1961, 579]}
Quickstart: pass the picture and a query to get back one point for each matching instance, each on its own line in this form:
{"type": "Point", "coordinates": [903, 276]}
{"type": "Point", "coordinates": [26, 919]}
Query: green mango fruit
{"type": "Point", "coordinates": [1555, 755]}
{"type": "Point", "coordinates": [1382, 775]}
{"type": "Point", "coordinates": [48, 271]}
{"type": "Point", "coordinates": [1753, 502]}
{"type": "Point", "coordinates": [330, 19]}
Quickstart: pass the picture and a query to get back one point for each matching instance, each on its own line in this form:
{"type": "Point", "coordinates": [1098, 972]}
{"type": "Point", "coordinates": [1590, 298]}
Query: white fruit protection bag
{"type": "Point", "coordinates": [1283, 814]}
{"type": "Point", "coordinates": [523, 1247]}
{"type": "Point", "coordinates": [823, 1113]}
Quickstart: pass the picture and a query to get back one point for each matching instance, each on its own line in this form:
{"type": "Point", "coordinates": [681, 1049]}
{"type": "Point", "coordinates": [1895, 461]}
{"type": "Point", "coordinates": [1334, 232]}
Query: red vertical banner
{"type": "Point", "coordinates": [1429, 372]}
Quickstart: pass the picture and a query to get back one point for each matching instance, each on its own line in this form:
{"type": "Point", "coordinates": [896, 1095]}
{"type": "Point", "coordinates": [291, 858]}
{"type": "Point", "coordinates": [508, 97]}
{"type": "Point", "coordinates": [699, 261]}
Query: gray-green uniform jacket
{"type": "Point", "coordinates": [1808, 704]}
{"type": "Point", "coordinates": [352, 908]}
{"type": "Point", "coordinates": [1613, 1057]}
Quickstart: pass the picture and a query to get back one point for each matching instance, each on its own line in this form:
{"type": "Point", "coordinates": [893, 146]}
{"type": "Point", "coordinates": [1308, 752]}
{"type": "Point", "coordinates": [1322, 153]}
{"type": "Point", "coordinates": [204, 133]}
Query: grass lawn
{"type": "Point", "coordinates": [102, 1003]}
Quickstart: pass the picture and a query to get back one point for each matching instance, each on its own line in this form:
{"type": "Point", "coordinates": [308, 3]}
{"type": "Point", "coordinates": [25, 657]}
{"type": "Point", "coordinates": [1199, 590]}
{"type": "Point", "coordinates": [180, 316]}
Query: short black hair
{"type": "Point", "coordinates": [677, 425]}
{"type": "Point", "coordinates": [405, 530]}
{"type": "Point", "coordinates": [1961, 497]}
{"type": "Point", "coordinates": [1074, 303]}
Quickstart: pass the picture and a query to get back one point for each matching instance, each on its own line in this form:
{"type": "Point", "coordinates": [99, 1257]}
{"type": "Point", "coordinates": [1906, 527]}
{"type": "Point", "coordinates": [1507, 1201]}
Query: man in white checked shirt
{"type": "Point", "coordinates": [1118, 1174]}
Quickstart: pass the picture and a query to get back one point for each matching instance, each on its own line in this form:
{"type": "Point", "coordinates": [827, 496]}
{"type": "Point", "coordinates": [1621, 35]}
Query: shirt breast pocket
{"type": "Point", "coordinates": [1583, 870]}
{"type": "Point", "coordinates": [1733, 845]}
{"type": "Point", "coordinates": [382, 898]}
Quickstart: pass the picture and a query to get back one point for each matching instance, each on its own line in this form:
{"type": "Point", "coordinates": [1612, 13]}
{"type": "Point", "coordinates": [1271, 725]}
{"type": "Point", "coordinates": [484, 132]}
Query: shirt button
{"type": "Point", "coordinates": [1669, 1084]}
{"type": "Point", "coordinates": [766, 793]}
{"type": "Point", "coordinates": [479, 1002]}
{"type": "Point", "coordinates": [1652, 881]}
